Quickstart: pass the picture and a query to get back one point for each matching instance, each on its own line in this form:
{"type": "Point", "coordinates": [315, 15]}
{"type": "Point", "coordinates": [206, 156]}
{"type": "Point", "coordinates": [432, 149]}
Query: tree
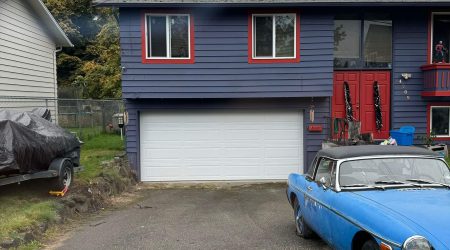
{"type": "Point", "coordinates": [93, 64]}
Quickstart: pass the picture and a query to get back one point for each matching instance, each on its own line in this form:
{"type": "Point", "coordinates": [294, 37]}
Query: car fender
{"type": "Point", "coordinates": [354, 213]}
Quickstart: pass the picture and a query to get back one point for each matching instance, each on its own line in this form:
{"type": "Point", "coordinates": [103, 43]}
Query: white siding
{"type": "Point", "coordinates": [27, 61]}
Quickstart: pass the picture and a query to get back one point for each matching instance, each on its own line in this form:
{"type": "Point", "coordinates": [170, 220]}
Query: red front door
{"type": "Point", "coordinates": [362, 96]}
{"type": "Point", "coordinates": [338, 107]}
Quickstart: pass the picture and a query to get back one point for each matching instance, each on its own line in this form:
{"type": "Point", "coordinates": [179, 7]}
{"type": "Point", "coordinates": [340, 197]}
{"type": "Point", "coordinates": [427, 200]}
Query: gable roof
{"type": "Point", "coordinates": [49, 21]}
{"type": "Point", "coordinates": [124, 3]}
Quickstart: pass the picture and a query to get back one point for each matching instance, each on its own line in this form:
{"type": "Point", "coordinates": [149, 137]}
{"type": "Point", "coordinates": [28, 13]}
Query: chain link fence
{"type": "Point", "coordinates": [85, 117]}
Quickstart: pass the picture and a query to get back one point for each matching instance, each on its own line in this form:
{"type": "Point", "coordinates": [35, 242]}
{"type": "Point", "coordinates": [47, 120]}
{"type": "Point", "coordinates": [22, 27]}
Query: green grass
{"type": "Point", "coordinates": [23, 210]}
{"type": "Point", "coordinates": [31, 246]}
{"type": "Point", "coordinates": [87, 133]}
{"type": "Point", "coordinates": [27, 205]}
{"type": "Point", "coordinates": [100, 148]}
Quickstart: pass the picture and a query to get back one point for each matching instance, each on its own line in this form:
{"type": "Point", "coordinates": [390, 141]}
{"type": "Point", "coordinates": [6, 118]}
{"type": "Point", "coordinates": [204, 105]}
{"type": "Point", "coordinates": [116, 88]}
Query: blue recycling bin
{"type": "Point", "coordinates": [404, 136]}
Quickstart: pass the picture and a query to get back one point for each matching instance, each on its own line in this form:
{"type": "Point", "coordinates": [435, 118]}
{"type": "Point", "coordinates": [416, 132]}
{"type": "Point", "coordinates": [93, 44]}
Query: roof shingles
{"type": "Point", "coordinates": [311, 2]}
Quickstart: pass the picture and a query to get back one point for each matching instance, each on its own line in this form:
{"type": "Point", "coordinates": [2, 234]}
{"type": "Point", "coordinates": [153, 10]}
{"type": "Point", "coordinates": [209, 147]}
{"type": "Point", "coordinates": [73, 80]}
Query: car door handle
{"type": "Point", "coordinates": [309, 188]}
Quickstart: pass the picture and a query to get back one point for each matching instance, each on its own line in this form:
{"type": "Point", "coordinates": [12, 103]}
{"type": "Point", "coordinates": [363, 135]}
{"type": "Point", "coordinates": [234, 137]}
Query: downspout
{"type": "Point", "coordinates": [55, 76]}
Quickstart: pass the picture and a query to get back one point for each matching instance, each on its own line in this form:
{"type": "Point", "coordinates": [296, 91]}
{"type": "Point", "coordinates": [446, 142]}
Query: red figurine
{"type": "Point", "coordinates": [440, 50]}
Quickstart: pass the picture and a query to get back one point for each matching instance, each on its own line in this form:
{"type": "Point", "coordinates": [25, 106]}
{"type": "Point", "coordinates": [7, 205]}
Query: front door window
{"type": "Point", "coordinates": [363, 42]}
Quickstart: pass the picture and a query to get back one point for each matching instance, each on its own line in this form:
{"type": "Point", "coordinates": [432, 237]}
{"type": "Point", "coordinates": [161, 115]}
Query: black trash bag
{"type": "Point", "coordinates": [29, 143]}
{"type": "Point", "coordinates": [348, 103]}
{"type": "Point", "coordinates": [377, 103]}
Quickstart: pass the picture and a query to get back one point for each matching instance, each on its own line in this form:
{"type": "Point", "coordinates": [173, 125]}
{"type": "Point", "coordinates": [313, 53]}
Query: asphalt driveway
{"type": "Point", "coordinates": [255, 217]}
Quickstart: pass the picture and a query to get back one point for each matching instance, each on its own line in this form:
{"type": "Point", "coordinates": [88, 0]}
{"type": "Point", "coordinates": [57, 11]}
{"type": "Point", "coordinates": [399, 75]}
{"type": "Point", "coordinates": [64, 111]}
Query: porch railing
{"type": "Point", "coordinates": [436, 80]}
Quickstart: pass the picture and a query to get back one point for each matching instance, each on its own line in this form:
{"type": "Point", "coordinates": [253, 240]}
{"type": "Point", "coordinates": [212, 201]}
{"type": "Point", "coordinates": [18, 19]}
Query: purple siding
{"type": "Point", "coordinates": [312, 140]}
{"type": "Point", "coordinates": [410, 40]}
{"type": "Point", "coordinates": [221, 68]}
{"type": "Point", "coordinates": [222, 78]}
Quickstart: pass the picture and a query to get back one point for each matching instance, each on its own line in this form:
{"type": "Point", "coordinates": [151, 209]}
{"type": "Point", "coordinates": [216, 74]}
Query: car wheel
{"type": "Point", "coordinates": [301, 228]}
{"type": "Point", "coordinates": [64, 178]}
{"type": "Point", "coordinates": [370, 245]}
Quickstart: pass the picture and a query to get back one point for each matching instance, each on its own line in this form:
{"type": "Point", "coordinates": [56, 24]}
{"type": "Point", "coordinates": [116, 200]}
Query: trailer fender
{"type": "Point", "coordinates": [64, 169]}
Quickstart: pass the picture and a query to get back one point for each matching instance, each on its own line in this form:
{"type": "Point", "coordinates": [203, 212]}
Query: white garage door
{"type": "Point", "coordinates": [220, 145]}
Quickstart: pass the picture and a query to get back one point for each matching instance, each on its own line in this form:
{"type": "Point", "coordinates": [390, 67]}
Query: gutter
{"type": "Point", "coordinates": [55, 76]}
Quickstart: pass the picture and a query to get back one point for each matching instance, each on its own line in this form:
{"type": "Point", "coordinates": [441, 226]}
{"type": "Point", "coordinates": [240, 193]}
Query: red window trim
{"type": "Point", "coordinates": [274, 60]}
{"type": "Point", "coordinates": [437, 104]}
{"type": "Point", "coordinates": [144, 53]}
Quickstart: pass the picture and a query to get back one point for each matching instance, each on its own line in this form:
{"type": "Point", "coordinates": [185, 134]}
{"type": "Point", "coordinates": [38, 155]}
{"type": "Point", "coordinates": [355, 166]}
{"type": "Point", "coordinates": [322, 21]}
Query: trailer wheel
{"type": "Point", "coordinates": [65, 174]}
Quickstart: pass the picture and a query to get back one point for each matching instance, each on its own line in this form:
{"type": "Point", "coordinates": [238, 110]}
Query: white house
{"type": "Point", "coordinates": [29, 39]}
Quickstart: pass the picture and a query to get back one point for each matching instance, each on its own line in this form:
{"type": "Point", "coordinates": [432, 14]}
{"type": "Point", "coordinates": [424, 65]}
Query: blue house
{"type": "Point", "coordinates": [248, 90]}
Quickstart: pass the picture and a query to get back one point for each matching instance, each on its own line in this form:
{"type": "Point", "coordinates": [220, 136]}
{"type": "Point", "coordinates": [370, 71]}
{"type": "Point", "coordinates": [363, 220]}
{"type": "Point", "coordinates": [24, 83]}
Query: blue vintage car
{"type": "Point", "coordinates": [374, 197]}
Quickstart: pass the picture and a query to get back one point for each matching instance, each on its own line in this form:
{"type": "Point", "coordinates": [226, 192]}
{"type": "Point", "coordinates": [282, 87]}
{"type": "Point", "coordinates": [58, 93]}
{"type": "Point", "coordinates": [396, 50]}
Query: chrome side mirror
{"type": "Point", "coordinates": [323, 181]}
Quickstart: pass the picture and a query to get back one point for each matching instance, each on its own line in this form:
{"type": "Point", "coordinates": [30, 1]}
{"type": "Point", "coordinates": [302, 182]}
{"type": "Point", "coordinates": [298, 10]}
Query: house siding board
{"type": "Point", "coordinates": [312, 140]}
{"type": "Point", "coordinates": [221, 68]}
{"type": "Point", "coordinates": [410, 34]}
{"type": "Point", "coordinates": [26, 58]}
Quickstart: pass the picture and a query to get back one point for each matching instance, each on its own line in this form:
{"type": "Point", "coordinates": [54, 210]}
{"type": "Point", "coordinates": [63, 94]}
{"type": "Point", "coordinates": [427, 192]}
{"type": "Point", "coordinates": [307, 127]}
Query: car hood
{"type": "Point", "coordinates": [426, 209]}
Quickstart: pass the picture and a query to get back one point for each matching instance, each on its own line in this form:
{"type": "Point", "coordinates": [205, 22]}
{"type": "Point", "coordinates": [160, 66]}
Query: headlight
{"type": "Point", "coordinates": [417, 243]}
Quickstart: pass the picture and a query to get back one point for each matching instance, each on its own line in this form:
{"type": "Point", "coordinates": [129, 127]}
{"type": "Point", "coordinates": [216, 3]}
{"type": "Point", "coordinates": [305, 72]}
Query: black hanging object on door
{"type": "Point", "coordinates": [377, 103]}
{"type": "Point", "coordinates": [348, 103]}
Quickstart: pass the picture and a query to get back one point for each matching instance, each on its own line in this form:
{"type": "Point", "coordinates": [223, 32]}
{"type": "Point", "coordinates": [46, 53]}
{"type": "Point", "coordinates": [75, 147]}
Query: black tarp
{"type": "Point", "coordinates": [377, 103]}
{"type": "Point", "coordinates": [29, 143]}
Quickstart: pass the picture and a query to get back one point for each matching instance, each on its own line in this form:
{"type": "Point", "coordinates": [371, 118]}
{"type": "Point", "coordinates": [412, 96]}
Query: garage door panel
{"type": "Point", "coordinates": [192, 153]}
{"type": "Point", "coordinates": [242, 152]}
{"type": "Point", "coordinates": [220, 145]}
{"type": "Point", "coordinates": [276, 170]}
{"type": "Point", "coordinates": [243, 143]}
{"type": "Point", "coordinates": [281, 152]}
{"type": "Point", "coordinates": [281, 161]}
{"type": "Point", "coordinates": [281, 143]}
{"type": "Point", "coordinates": [281, 134]}
{"type": "Point", "coordinates": [243, 172]}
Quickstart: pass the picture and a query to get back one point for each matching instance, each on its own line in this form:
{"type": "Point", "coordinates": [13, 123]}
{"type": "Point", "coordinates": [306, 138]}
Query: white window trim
{"type": "Point", "coordinates": [273, 37]}
{"type": "Point", "coordinates": [168, 40]}
{"type": "Point", "coordinates": [432, 33]}
{"type": "Point", "coordinates": [431, 121]}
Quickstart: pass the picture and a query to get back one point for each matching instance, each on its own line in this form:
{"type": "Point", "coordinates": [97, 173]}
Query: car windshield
{"type": "Point", "coordinates": [393, 171]}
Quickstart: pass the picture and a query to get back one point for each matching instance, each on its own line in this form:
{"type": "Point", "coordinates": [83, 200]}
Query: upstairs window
{"type": "Point", "coordinates": [363, 42]}
{"type": "Point", "coordinates": [168, 38]}
{"type": "Point", "coordinates": [440, 37]}
{"type": "Point", "coordinates": [274, 38]}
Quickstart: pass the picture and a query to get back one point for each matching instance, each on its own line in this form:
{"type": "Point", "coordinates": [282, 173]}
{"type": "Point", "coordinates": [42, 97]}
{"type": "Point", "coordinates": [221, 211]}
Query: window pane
{"type": "Point", "coordinates": [179, 36]}
{"type": "Point", "coordinates": [285, 36]}
{"type": "Point", "coordinates": [439, 120]}
{"type": "Point", "coordinates": [441, 38]}
{"type": "Point", "coordinates": [347, 35]}
{"type": "Point", "coordinates": [158, 45]}
{"type": "Point", "coordinates": [377, 43]}
{"type": "Point", "coordinates": [263, 29]}
{"type": "Point", "coordinates": [325, 169]}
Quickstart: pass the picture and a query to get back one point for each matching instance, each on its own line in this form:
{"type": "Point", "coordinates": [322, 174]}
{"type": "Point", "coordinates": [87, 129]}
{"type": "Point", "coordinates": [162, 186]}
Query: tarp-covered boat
{"type": "Point", "coordinates": [29, 143]}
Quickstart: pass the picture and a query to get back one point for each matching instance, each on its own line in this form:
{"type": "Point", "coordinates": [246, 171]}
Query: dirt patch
{"type": "Point", "coordinates": [83, 198]}
{"type": "Point", "coordinates": [94, 195]}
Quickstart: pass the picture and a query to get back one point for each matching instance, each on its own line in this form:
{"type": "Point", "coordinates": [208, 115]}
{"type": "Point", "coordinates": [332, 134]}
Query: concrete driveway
{"type": "Point", "coordinates": [252, 217]}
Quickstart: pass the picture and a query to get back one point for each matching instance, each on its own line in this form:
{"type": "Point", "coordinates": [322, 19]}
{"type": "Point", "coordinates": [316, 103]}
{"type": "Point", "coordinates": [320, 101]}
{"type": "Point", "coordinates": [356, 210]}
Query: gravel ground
{"type": "Point", "coordinates": [249, 217]}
